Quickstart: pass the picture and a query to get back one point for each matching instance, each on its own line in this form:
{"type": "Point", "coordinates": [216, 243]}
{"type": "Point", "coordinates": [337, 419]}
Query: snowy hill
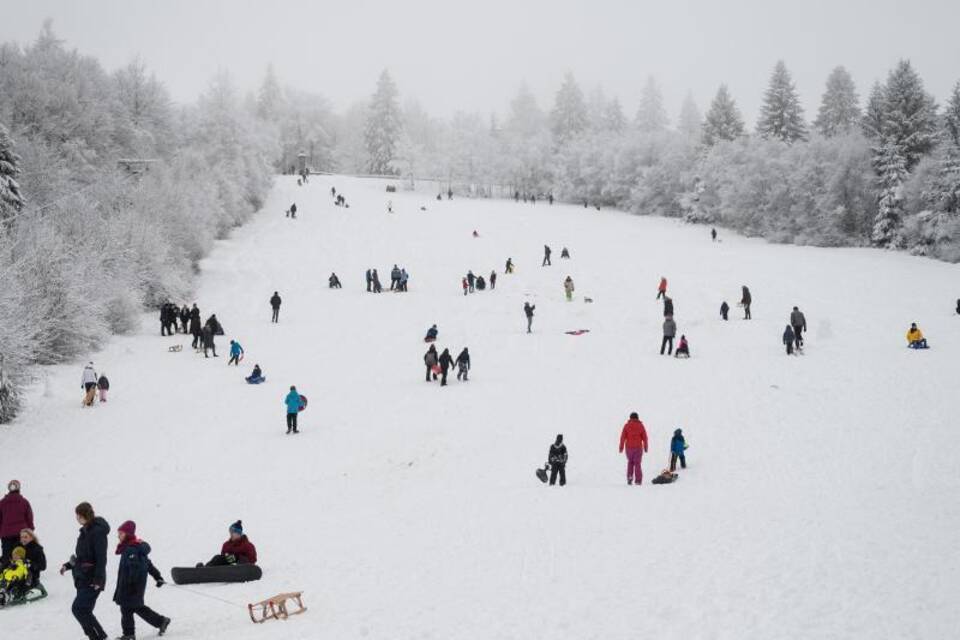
{"type": "Point", "coordinates": [819, 502]}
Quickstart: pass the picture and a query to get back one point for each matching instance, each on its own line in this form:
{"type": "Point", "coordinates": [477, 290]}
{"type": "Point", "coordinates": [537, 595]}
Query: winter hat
{"type": "Point", "coordinates": [559, 438]}
{"type": "Point", "coordinates": [18, 553]}
{"type": "Point", "coordinates": [237, 528]}
{"type": "Point", "coordinates": [129, 528]}
{"type": "Point", "coordinates": [678, 432]}
{"type": "Point", "coordinates": [634, 416]}
{"type": "Point", "coordinates": [14, 485]}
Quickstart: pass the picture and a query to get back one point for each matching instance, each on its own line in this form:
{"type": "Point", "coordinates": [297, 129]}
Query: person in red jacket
{"type": "Point", "coordinates": [15, 516]}
{"type": "Point", "coordinates": [662, 289]}
{"type": "Point", "coordinates": [237, 550]}
{"type": "Point", "coordinates": [634, 438]}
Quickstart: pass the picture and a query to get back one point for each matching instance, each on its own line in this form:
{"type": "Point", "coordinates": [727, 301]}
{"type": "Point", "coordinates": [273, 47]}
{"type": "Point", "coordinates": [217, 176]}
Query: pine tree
{"type": "Point", "coordinates": [383, 126]}
{"type": "Point", "coordinates": [613, 118]}
{"type": "Point", "coordinates": [909, 114]}
{"type": "Point", "coordinates": [890, 165]}
{"type": "Point", "coordinates": [651, 116]}
{"type": "Point", "coordinates": [723, 121]}
{"type": "Point", "coordinates": [569, 116]}
{"type": "Point", "coordinates": [951, 118]}
{"type": "Point", "coordinates": [781, 116]}
{"type": "Point", "coordinates": [839, 109]}
{"type": "Point", "coordinates": [690, 123]}
{"type": "Point", "coordinates": [10, 199]}
{"type": "Point", "coordinates": [872, 121]}
{"type": "Point", "coordinates": [270, 97]}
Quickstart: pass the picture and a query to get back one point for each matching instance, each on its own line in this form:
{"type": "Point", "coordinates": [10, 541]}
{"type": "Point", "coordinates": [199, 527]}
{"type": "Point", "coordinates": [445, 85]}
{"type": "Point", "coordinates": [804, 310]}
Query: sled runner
{"type": "Point", "coordinates": [275, 608]}
{"type": "Point", "coordinates": [228, 573]}
{"type": "Point", "coordinates": [577, 332]}
{"type": "Point", "coordinates": [303, 403]}
{"type": "Point", "coordinates": [31, 595]}
{"type": "Point", "coordinates": [542, 473]}
{"type": "Point", "coordinates": [177, 348]}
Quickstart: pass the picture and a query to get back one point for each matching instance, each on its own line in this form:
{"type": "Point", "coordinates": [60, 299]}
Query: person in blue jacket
{"type": "Point", "coordinates": [293, 408]}
{"type": "Point", "coordinates": [132, 574]}
{"type": "Point", "coordinates": [257, 376]}
{"type": "Point", "coordinates": [677, 447]}
{"type": "Point", "coordinates": [235, 352]}
{"type": "Point", "coordinates": [431, 334]}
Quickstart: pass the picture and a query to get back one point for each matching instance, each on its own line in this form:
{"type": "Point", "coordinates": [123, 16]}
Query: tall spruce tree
{"type": "Point", "coordinates": [690, 123]}
{"type": "Point", "coordinates": [383, 126]}
{"type": "Point", "coordinates": [270, 96]}
{"type": "Point", "coordinates": [651, 116]}
{"type": "Point", "coordinates": [951, 119]}
{"type": "Point", "coordinates": [723, 120]}
{"type": "Point", "coordinates": [873, 113]}
{"type": "Point", "coordinates": [909, 114]}
{"type": "Point", "coordinates": [891, 168]}
{"type": "Point", "coordinates": [781, 116]}
{"type": "Point", "coordinates": [10, 198]}
{"type": "Point", "coordinates": [569, 116]}
{"type": "Point", "coordinates": [839, 108]}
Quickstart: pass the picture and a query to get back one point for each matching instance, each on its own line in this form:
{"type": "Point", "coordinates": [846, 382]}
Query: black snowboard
{"type": "Point", "coordinates": [228, 573]}
{"type": "Point", "coordinates": [542, 473]}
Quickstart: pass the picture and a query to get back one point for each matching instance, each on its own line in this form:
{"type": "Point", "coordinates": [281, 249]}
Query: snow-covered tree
{"type": "Point", "coordinates": [11, 199]}
{"type": "Point", "coordinates": [909, 115]}
{"type": "Point", "coordinates": [873, 114]}
{"type": "Point", "coordinates": [651, 115]}
{"type": "Point", "coordinates": [839, 108]}
{"type": "Point", "coordinates": [951, 117]}
{"type": "Point", "coordinates": [723, 120]}
{"type": "Point", "coordinates": [690, 122]}
{"type": "Point", "coordinates": [569, 116]}
{"type": "Point", "coordinates": [383, 127]}
{"type": "Point", "coordinates": [781, 116]}
{"type": "Point", "coordinates": [270, 96]}
{"type": "Point", "coordinates": [890, 165]}
{"type": "Point", "coordinates": [613, 117]}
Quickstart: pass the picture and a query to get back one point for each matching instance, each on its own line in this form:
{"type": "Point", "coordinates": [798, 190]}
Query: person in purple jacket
{"type": "Point", "coordinates": [15, 516]}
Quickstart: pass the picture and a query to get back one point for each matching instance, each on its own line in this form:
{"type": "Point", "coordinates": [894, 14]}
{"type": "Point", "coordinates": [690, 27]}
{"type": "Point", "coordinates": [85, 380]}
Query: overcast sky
{"type": "Point", "coordinates": [454, 55]}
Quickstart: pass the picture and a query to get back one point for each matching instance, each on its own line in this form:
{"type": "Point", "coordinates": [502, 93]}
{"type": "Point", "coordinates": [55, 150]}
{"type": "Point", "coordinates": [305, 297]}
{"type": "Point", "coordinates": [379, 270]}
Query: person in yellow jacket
{"type": "Point", "coordinates": [915, 339]}
{"type": "Point", "coordinates": [13, 580]}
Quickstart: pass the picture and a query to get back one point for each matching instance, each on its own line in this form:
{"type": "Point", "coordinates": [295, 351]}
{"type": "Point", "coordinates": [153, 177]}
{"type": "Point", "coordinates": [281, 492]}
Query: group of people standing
{"type": "Point", "coordinates": [439, 365]}
{"type": "Point", "coordinates": [472, 283]}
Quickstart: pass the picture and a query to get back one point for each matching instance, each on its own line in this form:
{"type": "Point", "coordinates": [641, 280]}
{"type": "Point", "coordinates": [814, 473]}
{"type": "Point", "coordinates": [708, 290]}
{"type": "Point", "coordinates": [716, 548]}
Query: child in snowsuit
{"type": "Point", "coordinates": [104, 385]}
{"type": "Point", "coordinates": [557, 459]}
{"type": "Point", "coordinates": [683, 349]}
{"type": "Point", "coordinates": [135, 566]}
{"type": "Point", "coordinates": [466, 286]}
{"type": "Point", "coordinates": [915, 339]}
{"type": "Point", "coordinates": [235, 352]}
{"type": "Point", "coordinates": [788, 339]}
{"type": "Point", "coordinates": [13, 580]}
{"type": "Point", "coordinates": [568, 288]}
{"type": "Point", "coordinates": [431, 334]}
{"type": "Point", "coordinates": [724, 310]}
{"type": "Point", "coordinates": [256, 377]}
{"type": "Point", "coordinates": [463, 364]}
{"type": "Point", "coordinates": [662, 288]}
{"type": "Point", "coordinates": [430, 359]}
{"type": "Point", "coordinates": [677, 447]}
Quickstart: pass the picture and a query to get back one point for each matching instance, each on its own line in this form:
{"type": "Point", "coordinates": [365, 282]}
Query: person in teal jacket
{"type": "Point", "coordinates": [235, 352]}
{"type": "Point", "coordinates": [293, 408]}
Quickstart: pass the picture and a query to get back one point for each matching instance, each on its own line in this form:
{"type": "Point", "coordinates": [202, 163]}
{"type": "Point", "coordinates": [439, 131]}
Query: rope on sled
{"type": "Point", "coordinates": [207, 595]}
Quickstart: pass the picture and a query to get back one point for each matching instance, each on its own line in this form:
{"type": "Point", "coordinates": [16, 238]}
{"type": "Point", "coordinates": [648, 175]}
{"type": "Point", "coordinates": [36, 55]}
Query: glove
{"type": "Point", "coordinates": [230, 558]}
{"type": "Point", "coordinates": [161, 582]}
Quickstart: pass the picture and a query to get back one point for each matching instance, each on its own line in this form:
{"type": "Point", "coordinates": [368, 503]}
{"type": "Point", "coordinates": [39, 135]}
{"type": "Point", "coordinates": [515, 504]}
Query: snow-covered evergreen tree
{"type": "Point", "coordinates": [10, 198]}
{"type": "Point", "coordinates": [723, 120]}
{"type": "Point", "coordinates": [781, 116]}
{"type": "Point", "coordinates": [690, 123]}
{"type": "Point", "coordinates": [613, 118]}
{"type": "Point", "coordinates": [839, 109]}
{"type": "Point", "coordinates": [890, 165]}
{"type": "Point", "coordinates": [909, 114]}
{"type": "Point", "coordinates": [951, 118]}
{"type": "Point", "coordinates": [873, 114]}
{"type": "Point", "coordinates": [383, 126]}
{"type": "Point", "coordinates": [651, 115]}
{"type": "Point", "coordinates": [270, 96]}
{"type": "Point", "coordinates": [569, 116]}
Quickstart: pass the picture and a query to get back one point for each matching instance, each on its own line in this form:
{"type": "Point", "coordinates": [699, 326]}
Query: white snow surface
{"type": "Point", "coordinates": [820, 499]}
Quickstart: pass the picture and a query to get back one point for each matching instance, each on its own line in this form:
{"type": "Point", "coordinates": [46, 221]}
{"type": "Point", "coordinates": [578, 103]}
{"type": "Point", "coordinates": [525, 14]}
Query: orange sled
{"type": "Point", "coordinates": [275, 608]}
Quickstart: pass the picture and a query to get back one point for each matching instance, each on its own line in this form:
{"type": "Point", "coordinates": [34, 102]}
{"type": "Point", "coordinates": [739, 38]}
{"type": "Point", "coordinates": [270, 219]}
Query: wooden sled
{"type": "Point", "coordinates": [175, 348]}
{"type": "Point", "coordinates": [275, 608]}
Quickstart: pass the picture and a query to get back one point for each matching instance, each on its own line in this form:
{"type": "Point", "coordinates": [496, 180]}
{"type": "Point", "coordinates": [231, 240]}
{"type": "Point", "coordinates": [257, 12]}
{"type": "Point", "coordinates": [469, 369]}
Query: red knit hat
{"type": "Point", "coordinates": [129, 528]}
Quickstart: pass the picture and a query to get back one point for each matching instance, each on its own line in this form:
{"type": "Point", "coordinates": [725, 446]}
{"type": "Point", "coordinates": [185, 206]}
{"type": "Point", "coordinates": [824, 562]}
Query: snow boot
{"type": "Point", "coordinates": [163, 626]}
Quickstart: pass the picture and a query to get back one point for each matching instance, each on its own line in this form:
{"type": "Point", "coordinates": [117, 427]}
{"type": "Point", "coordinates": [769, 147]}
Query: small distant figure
{"type": "Point", "coordinates": [564, 253]}
{"type": "Point", "coordinates": [493, 280]}
{"type": "Point", "coordinates": [256, 376]}
{"type": "Point", "coordinates": [333, 192]}
{"type": "Point", "coordinates": [446, 363]}
{"type": "Point", "coordinates": [915, 339]}
{"type": "Point", "coordinates": [389, 206]}
{"type": "Point", "coordinates": [88, 382]}
{"type": "Point", "coordinates": [236, 352]}
{"type": "Point", "coordinates": [450, 193]}
{"type": "Point", "coordinates": [713, 234]}
{"type": "Point", "coordinates": [293, 210]}
{"type": "Point", "coordinates": [683, 349]}
{"type": "Point", "coordinates": [463, 364]}
{"type": "Point", "coordinates": [958, 305]}
{"type": "Point", "coordinates": [299, 182]}
{"type": "Point", "coordinates": [395, 278]}
{"type": "Point", "coordinates": [669, 331]}
{"type": "Point", "coordinates": [528, 311]}
{"type": "Point", "coordinates": [745, 301]}
{"type": "Point", "coordinates": [633, 438]}
{"type": "Point", "coordinates": [662, 288]}
{"type": "Point", "coordinates": [103, 384]}
{"type": "Point", "coordinates": [404, 277]}
{"type": "Point", "coordinates": [789, 337]}
{"type": "Point", "coordinates": [550, 198]}
{"type": "Point", "coordinates": [546, 256]}
{"type": "Point", "coordinates": [471, 281]}
{"type": "Point", "coordinates": [475, 234]}
{"type": "Point", "coordinates": [293, 403]}
{"type": "Point", "coordinates": [509, 269]}
{"type": "Point", "coordinates": [568, 288]}
{"type": "Point", "coordinates": [466, 286]}
{"type": "Point", "coordinates": [585, 204]}
{"type": "Point", "coordinates": [432, 333]}
{"type": "Point", "coordinates": [334, 281]}
{"type": "Point", "coordinates": [369, 276]}
{"type": "Point", "coordinates": [439, 196]}
{"type": "Point", "coordinates": [678, 445]}
{"type": "Point", "coordinates": [799, 323]}
{"type": "Point", "coordinates": [275, 305]}
{"type": "Point", "coordinates": [516, 196]}
{"type": "Point", "coordinates": [667, 307]}
{"type": "Point", "coordinates": [557, 459]}
{"type": "Point", "coordinates": [377, 287]}
{"type": "Point", "coordinates": [430, 359]}
{"type": "Point", "coordinates": [724, 310]}
{"type": "Point", "coordinates": [533, 198]}
{"type": "Point", "coordinates": [481, 283]}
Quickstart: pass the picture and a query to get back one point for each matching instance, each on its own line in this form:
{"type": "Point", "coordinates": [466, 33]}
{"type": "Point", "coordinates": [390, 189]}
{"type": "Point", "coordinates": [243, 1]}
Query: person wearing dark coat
{"type": "Point", "coordinates": [724, 310]}
{"type": "Point", "coordinates": [958, 305]}
{"type": "Point", "coordinates": [446, 363]}
{"type": "Point", "coordinates": [334, 281]}
{"type": "Point", "coordinates": [215, 325]}
{"type": "Point", "coordinates": [799, 323]}
{"type": "Point", "coordinates": [557, 458]}
{"type": "Point", "coordinates": [377, 287]}
{"type": "Point", "coordinates": [395, 278]}
{"type": "Point", "coordinates": [463, 364]}
{"type": "Point", "coordinates": [16, 514]}
{"type": "Point", "coordinates": [430, 359]}
{"type": "Point", "coordinates": [132, 574]}
{"type": "Point", "coordinates": [677, 447]}
{"type": "Point", "coordinates": [669, 331]}
{"type": "Point", "coordinates": [471, 281]}
{"type": "Point", "coordinates": [184, 318]}
{"type": "Point", "coordinates": [667, 307]}
{"type": "Point", "coordinates": [103, 384]}
{"type": "Point", "coordinates": [293, 210]}
{"type": "Point", "coordinates": [165, 319]}
{"type": "Point", "coordinates": [369, 280]}
{"type": "Point", "coordinates": [493, 280]}
{"type": "Point", "coordinates": [508, 268]}
{"type": "Point", "coordinates": [528, 311]}
{"type": "Point", "coordinates": [275, 305]}
{"type": "Point", "coordinates": [789, 337]}
{"type": "Point", "coordinates": [208, 343]}
{"type": "Point", "coordinates": [564, 253]}
{"type": "Point", "coordinates": [36, 559]}
{"type": "Point", "coordinates": [546, 256]}
{"type": "Point", "coordinates": [481, 283]}
{"type": "Point", "coordinates": [745, 302]}
{"type": "Point", "coordinates": [195, 327]}
{"type": "Point", "coordinates": [713, 234]}
{"type": "Point", "coordinates": [236, 550]}
{"type": "Point", "coordinates": [88, 565]}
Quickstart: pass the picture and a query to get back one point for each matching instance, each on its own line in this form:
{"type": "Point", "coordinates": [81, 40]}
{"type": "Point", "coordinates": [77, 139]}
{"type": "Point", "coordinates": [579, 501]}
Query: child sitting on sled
{"type": "Point", "coordinates": [257, 376]}
{"type": "Point", "coordinates": [13, 580]}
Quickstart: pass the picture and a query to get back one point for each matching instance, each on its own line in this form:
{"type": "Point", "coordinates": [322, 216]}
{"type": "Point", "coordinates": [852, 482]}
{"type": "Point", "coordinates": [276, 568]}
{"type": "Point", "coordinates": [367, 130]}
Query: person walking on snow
{"type": "Point", "coordinates": [724, 310]}
{"type": "Point", "coordinates": [89, 384]}
{"type": "Point", "coordinates": [799, 323]}
{"type": "Point", "coordinates": [103, 384]}
{"type": "Point", "coordinates": [236, 352]}
{"type": "Point", "coordinates": [471, 281]}
{"type": "Point", "coordinates": [789, 337]}
{"type": "Point", "coordinates": [369, 280]}
{"type": "Point", "coordinates": [431, 359]}
{"type": "Point", "coordinates": [669, 331]}
{"type": "Point", "coordinates": [88, 566]}
{"type": "Point", "coordinates": [667, 307]}
{"type": "Point", "coordinates": [633, 437]}
{"type": "Point", "coordinates": [568, 288]}
{"type": "Point", "coordinates": [446, 363]}
{"type": "Point", "coordinates": [662, 288]}
{"type": "Point", "coordinates": [377, 287]}
{"type": "Point", "coordinates": [466, 286]}
{"type": "Point", "coordinates": [208, 341]}
{"type": "Point", "coordinates": [557, 459]}
{"type": "Point", "coordinates": [196, 329]}
{"type": "Point", "coordinates": [745, 301]}
{"type": "Point", "coordinates": [493, 280]}
{"type": "Point", "coordinates": [275, 305]}
{"type": "Point", "coordinates": [509, 269]}
{"type": "Point", "coordinates": [135, 566]}
{"type": "Point", "coordinates": [678, 445]}
{"type": "Point", "coordinates": [16, 514]}
{"type": "Point", "coordinates": [184, 318]}
{"type": "Point", "coordinates": [463, 364]}
{"type": "Point", "coordinates": [528, 310]}
{"type": "Point", "coordinates": [713, 234]}
{"type": "Point", "coordinates": [404, 276]}
{"type": "Point", "coordinates": [293, 403]}
{"type": "Point", "coordinates": [546, 256]}
{"type": "Point", "coordinates": [395, 278]}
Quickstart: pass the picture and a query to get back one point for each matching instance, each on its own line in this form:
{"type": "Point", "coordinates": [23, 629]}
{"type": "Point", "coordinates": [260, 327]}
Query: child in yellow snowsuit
{"type": "Point", "coordinates": [13, 580]}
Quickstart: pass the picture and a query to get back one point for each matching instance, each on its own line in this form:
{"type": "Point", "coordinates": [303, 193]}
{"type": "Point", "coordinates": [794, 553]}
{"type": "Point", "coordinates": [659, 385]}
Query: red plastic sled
{"type": "Point", "coordinates": [303, 403]}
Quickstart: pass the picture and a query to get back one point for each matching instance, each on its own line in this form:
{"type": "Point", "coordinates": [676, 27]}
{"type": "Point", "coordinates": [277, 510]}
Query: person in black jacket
{"type": "Point", "coordinates": [184, 318]}
{"type": "Point", "coordinates": [463, 364]}
{"type": "Point", "coordinates": [275, 305]}
{"type": "Point", "coordinates": [667, 306]}
{"type": "Point", "coordinates": [528, 310]}
{"type": "Point", "coordinates": [36, 558]}
{"type": "Point", "coordinates": [195, 327]}
{"type": "Point", "coordinates": [446, 363]}
{"type": "Point", "coordinates": [557, 457]}
{"type": "Point", "coordinates": [745, 302]}
{"type": "Point", "coordinates": [789, 337]}
{"type": "Point", "coordinates": [132, 574]}
{"type": "Point", "coordinates": [493, 280]}
{"type": "Point", "coordinates": [546, 256]}
{"type": "Point", "coordinates": [88, 566]}
{"type": "Point", "coordinates": [208, 343]}
{"type": "Point", "coordinates": [724, 310]}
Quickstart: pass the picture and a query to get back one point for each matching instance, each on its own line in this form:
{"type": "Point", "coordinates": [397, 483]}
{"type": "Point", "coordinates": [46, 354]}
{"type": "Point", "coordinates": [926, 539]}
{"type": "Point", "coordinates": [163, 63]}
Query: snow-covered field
{"type": "Point", "coordinates": [820, 499]}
